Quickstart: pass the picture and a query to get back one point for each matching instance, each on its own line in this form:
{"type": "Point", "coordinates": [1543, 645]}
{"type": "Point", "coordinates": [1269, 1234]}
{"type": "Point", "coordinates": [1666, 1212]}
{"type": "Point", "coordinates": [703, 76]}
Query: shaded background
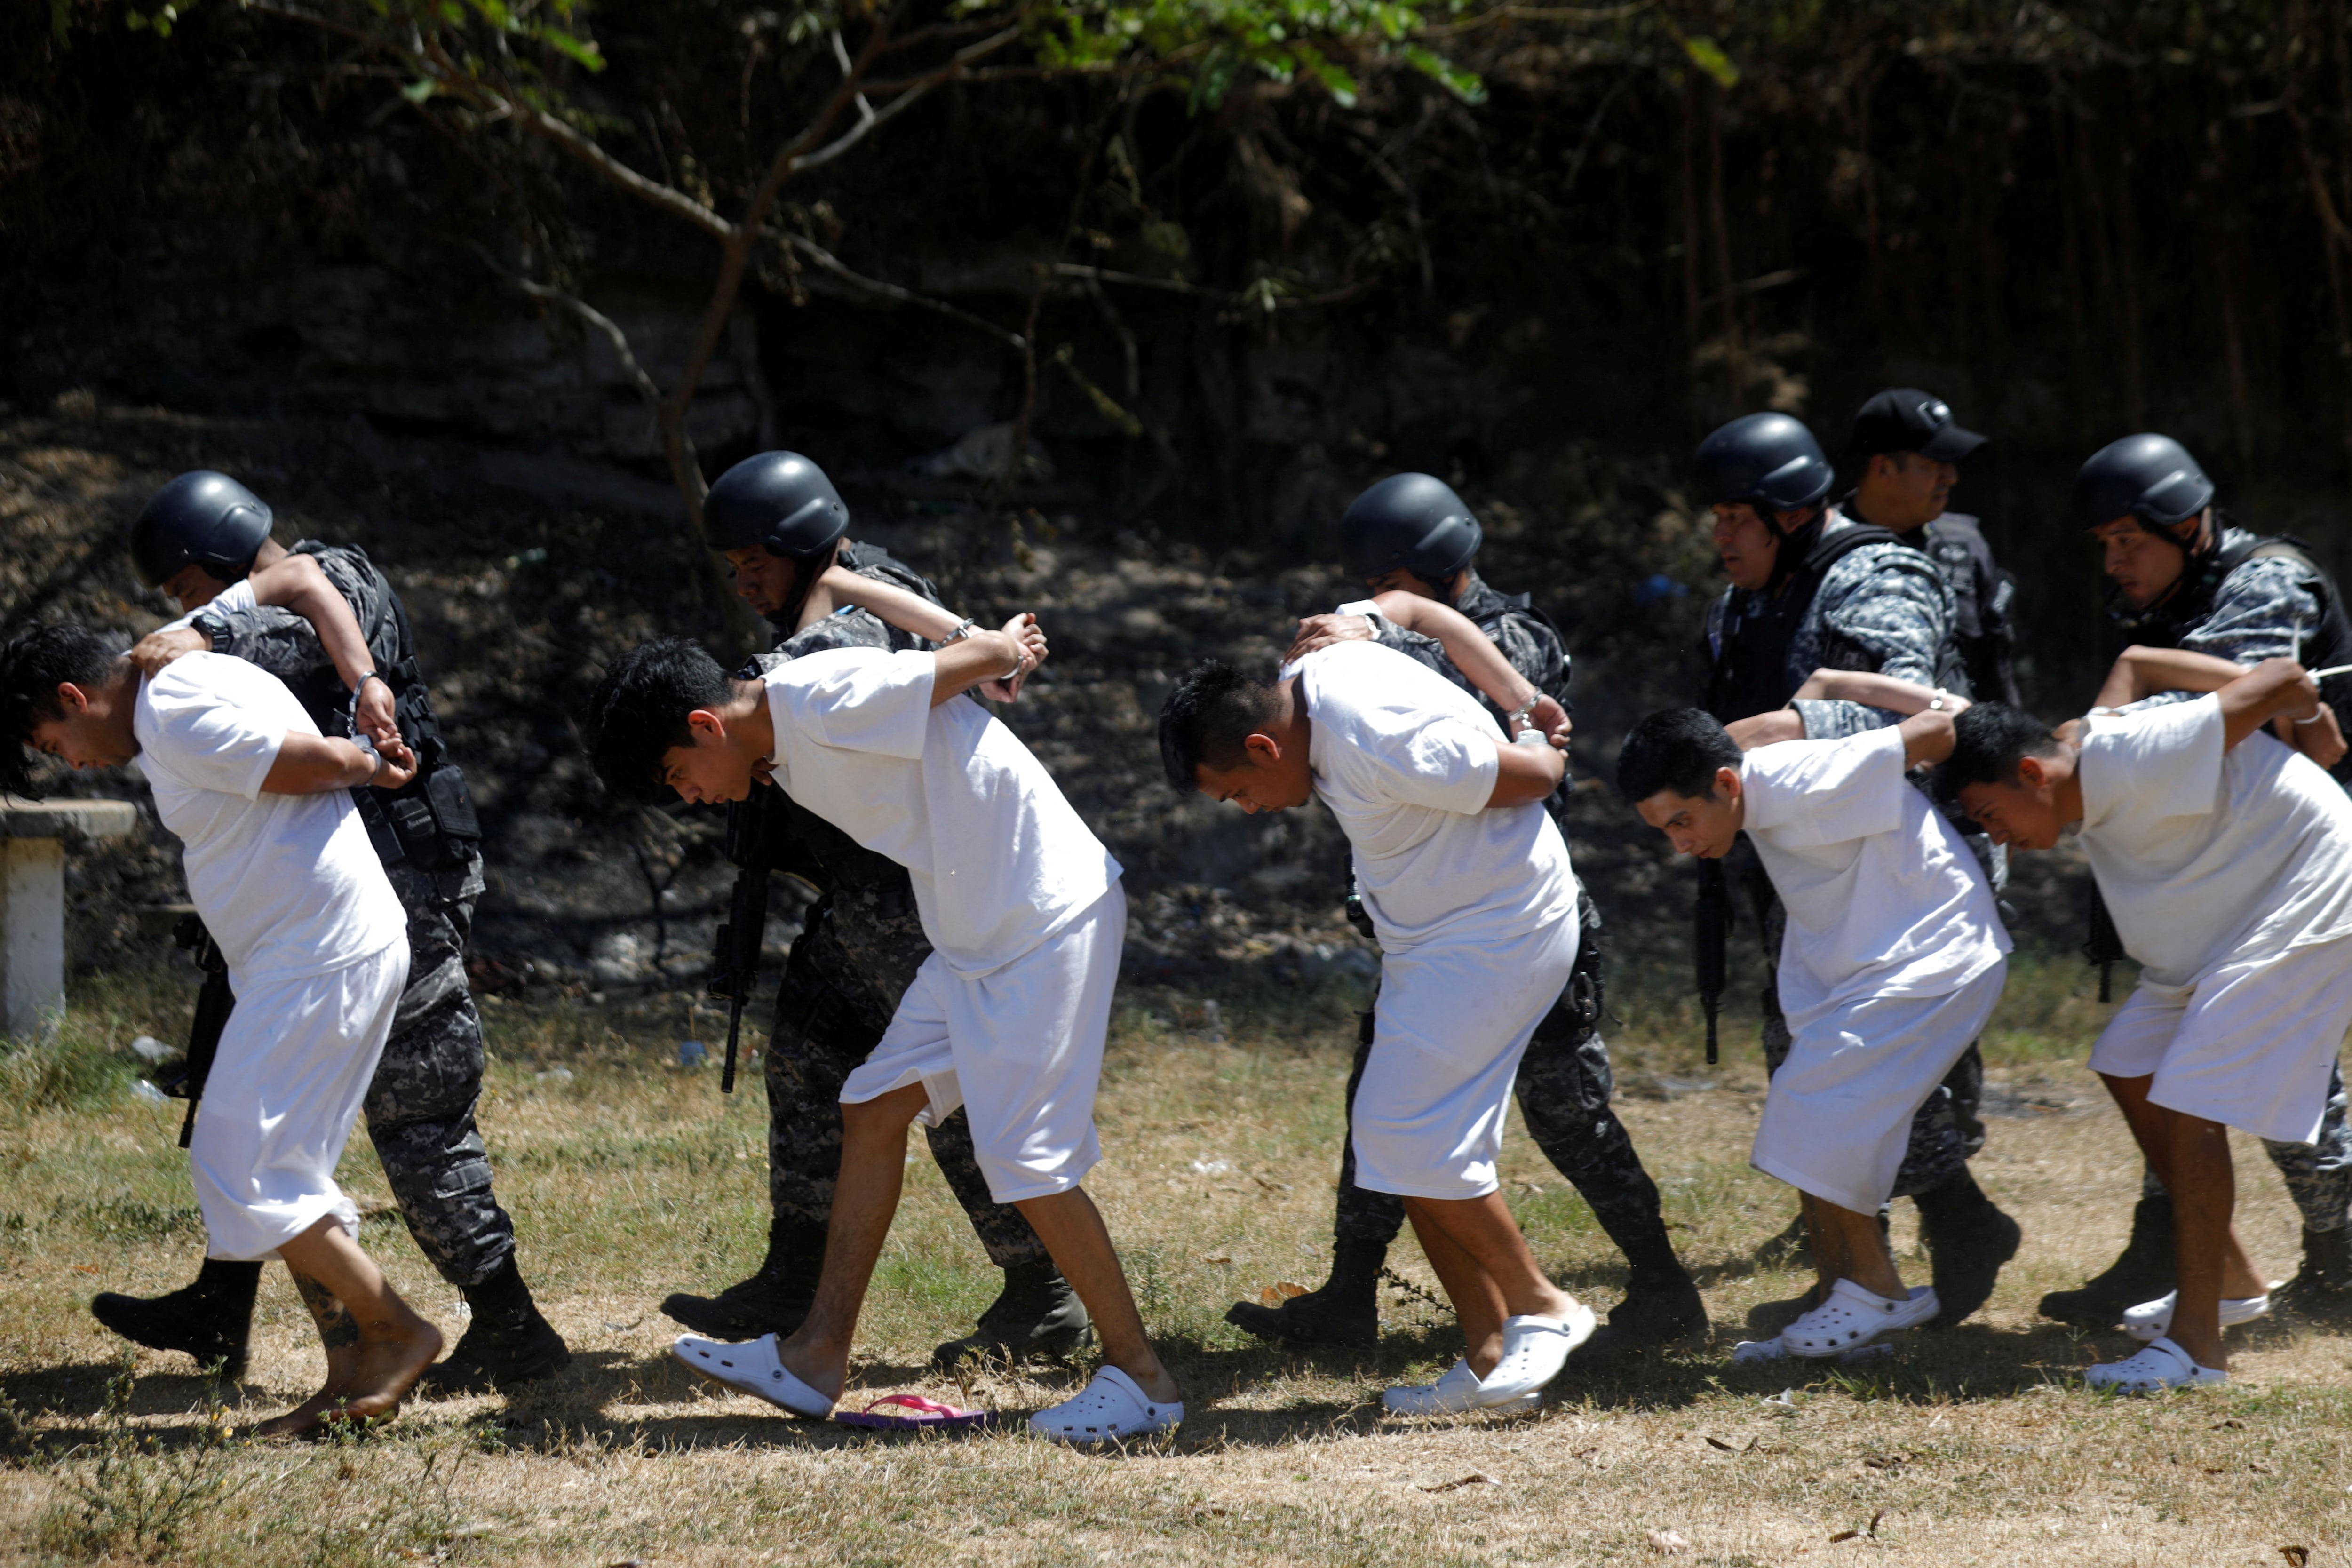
{"type": "Point", "coordinates": [242, 246]}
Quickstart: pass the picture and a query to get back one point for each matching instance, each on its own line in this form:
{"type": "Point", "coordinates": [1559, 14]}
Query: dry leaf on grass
{"type": "Point", "coordinates": [1276, 1295]}
{"type": "Point", "coordinates": [1474, 1479]}
{"type": "Point", "coordinates": [2296, 1556]}
{"type": "Point", "coordinates": [1719, 1443]}
{"type": "Point", "coordinates": [1217, 1258]}
{"type": "Point", "coordinates": [1668, 1542]}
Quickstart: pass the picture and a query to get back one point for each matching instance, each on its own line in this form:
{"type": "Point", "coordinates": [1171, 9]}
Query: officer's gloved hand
{"type": "Point", "coordinates": [156, 649]}
{"type": "Point", "coordinates": [1321, 631]}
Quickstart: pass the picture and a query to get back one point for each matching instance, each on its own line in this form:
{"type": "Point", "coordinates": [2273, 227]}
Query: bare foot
{"type": "Point", "coordinates": [381, 1374]}
{"type": "Point", "coordinates": [828, 1374]}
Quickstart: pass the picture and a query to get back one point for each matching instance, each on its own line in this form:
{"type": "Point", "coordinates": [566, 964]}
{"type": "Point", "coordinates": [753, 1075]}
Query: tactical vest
{"type": "Point", "coordinates": [2327, 644]}
{"type": "Point", "coordinates": [429, 822]}
{"type": "Point", "coordinates": [1749, 674]}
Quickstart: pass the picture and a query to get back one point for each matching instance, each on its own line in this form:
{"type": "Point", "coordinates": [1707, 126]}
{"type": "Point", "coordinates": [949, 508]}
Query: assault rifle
{"type": "Point", "coordinates": [215, 1001]}
{"type": "Point", "coordinates": [752, 824]}
{"type": "Point", "coordinates": [2104, 945]}
{"type": "Point", "coordinates": [1711, 936]}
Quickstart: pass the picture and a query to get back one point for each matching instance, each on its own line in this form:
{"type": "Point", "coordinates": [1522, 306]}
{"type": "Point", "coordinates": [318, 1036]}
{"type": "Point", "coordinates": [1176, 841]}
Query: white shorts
{"type": "Point", "coordinates": [2250, 1046]}
{"type": "Point", "coordinates": [1838, 1114]}
{"type": "Point", "coordinates": [1019, 1048]}
{"type": "Point", "coordinates": [1448, 1032]}
{"type": "Point", "coordinates": [296, 1059]}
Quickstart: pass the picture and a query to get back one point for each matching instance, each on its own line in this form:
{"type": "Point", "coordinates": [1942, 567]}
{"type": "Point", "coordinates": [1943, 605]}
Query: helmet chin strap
{"type": "Point", "coordinates": [2199, 543]}
{"type": "Point", "coordinates": [1794, 542]}
{"type": "Point", "coordinates": [805, 572]}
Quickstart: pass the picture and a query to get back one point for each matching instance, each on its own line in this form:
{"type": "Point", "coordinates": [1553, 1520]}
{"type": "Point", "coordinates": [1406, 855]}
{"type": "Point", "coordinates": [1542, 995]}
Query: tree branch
{"type": "Point", "coordinates": [833, 263]}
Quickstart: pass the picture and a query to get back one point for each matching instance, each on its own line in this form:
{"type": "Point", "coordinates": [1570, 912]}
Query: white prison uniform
{"type": "Point", "coordinates": [2228, 874]}
{"type": "Point", "coordinates": [1894, 956]}
{"type": "Point", "coordinates": [1019, 898]}
{"type": "Point", "coordinates": [1475, 909]}
{"type": "Point", "coordinates": [316, 942]}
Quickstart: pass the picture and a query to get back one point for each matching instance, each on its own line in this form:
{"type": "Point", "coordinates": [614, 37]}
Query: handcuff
{"type": "Point", "coordinates": [963, 630]}
{"type": "Point", "coordinates": [1524, 714]}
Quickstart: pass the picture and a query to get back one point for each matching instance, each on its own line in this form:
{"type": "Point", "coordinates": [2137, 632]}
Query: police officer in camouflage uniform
{"type": "Point", "coordinates": [1812, 588]}
{"type": "Point", "coordinates": [1910, 450]}
{"type": "Point", "coordinates": [1411, 531]}
{"type": "Point", "coordinates": [2186, 579]}
{"type": "Point", "coordinates": [780, 525]}
{"type": "Point", "coordinates": [204, 540]}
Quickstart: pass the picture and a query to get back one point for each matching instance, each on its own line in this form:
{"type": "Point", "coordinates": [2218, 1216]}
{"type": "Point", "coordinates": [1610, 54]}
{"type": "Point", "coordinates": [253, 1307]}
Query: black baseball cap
{"type": "Point", "coordinates": [1905, 420]}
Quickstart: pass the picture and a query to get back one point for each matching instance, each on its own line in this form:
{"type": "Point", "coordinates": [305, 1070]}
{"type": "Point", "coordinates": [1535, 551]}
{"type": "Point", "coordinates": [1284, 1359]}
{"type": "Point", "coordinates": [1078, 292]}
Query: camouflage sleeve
{"type": "Point", "coordinates": [278, 641]}
{"type": "Point", "coordinates": [1426, 651]}
{"type": "Point", "coordinates": [1884, 609]}
{"type": "Point", "coordinates": [1535, 651]}
{"type": "Point", "coordinates": [2259, 612]}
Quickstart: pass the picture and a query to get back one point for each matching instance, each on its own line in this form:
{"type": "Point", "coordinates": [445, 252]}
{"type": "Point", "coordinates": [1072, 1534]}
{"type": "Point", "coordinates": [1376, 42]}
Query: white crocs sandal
{"type": "Point", "coordinates": [1457, 1391]}
{"type": "Point", "coordinates": [752, 1367]}
{"type": "Point", "coordinates": [1854, 1317]}
{"type": "Point", "coordinates": [1110, 1406]}
{"type": "Point", "coordinates": [2153, 1320]}
{"type": "Point", "coordinates": [1749, 1352]}
{"type": "Point", "coordinates": [1533, 1351]}
{"type": "Point", "coordinates": [2161, 1366]}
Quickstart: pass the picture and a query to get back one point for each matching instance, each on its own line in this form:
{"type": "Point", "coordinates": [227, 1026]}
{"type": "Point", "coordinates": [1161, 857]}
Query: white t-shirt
{"type": "Point", "coordinates": [287, 884]}
{"type": "Point", "coordinates": [1406, 762]}
{"type": "Point", "coordinates": [1882, 896]}
{"type": "Point", "coordinates": [2207, 856]}
{"type": "Point", "coordinates": [236, 597]}
{"type": "Point", "coordinates": [999, 860]}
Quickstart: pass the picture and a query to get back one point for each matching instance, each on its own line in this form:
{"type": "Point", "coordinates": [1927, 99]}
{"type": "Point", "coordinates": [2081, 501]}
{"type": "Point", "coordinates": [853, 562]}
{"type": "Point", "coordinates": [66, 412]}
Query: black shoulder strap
{"type": "Point", "coordinates": [1832, 548]}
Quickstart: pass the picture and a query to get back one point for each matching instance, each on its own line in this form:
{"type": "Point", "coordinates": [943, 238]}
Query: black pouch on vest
{"type": "Point", "coordinates": [453, 809]}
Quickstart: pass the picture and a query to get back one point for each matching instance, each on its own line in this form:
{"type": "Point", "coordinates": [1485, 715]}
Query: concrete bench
{"type": "Point", "coordinates": [33, 836]}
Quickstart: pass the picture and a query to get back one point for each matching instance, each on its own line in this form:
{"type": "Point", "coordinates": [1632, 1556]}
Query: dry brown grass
{"type": "Point", "coordinates": [630, 1180]}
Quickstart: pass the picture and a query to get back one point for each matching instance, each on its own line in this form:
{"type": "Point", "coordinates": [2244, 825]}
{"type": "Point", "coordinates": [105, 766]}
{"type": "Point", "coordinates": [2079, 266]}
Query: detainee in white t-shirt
{"type": "Point", "coordinates": [1467, 883]}
{"type": "Point", "coordinates": [1894, 958]}
{"type": "Point", "coordinates": [280, 869]}
{"type": "Point", "coordinates": [2225, 859]}
{"type": "Point", "coordinates": [1007, 1016]}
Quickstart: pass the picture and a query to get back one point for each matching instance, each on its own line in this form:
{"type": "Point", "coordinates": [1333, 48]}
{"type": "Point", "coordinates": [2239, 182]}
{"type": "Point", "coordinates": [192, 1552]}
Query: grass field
{"type": "Point", "coordinates": [631, 1178]}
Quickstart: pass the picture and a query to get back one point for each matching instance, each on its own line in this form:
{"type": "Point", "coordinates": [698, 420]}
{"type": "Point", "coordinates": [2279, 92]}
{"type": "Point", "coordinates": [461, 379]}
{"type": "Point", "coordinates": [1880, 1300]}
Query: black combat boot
{"type": "Point", "coordinates": [506, 1341]}
{"type": "Point", "coordinates": [1662, 1304]}
{"type": "Point", "coordinates": [2322, 1286]}
{"type": "Point", "coordinates": [1968, 1239]}
{"type": "Point", "coordinates": [1346, 1311]}
{"type": "Point", "coordinates": [209, 1318]}
{"type": "Point", "coordinates": [771, 1301]}
{"type": "Point", "coordinates": [1036, 1314]}
{"type": "Point", "coordinates": [2144, 1272]}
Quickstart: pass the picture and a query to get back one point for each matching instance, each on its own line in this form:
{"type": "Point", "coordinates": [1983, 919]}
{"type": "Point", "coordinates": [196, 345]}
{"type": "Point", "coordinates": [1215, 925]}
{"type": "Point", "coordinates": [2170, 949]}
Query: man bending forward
{"type": "Point", "coordinates": [281, 871]}
{"type": "Point", "coordinates": [1006, 1017]}
{"type": "Point", "coordinates": [1468, 884]}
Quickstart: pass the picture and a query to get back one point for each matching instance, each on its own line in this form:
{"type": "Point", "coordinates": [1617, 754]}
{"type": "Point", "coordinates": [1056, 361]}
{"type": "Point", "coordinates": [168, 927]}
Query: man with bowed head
{"type": "Point", "coordinates": [2223, 600]}
{"type": "Point", "coordinates": [2225, 859]}
{"type": "Point", "coordinates": [1414, 544]}
{"type": "Point", "coordinates": [1467, 883]}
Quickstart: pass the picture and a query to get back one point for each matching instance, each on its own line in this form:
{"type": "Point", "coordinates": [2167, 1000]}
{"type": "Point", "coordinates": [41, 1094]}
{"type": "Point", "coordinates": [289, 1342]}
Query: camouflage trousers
{"type": "Point", "coordinates": [420, 1109]}
{"type": "Point", "coordinates": [1948, 1129]}
{"type": "Point", "coordinates": [829, 1017]}
{"type": "Point", "coordinates": [1564, 1085]}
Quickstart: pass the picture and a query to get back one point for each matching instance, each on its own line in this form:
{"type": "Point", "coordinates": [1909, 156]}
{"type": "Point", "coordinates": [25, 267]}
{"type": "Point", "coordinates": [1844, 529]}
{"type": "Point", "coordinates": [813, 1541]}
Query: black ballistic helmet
{"type": "Point", "coordinates": [1770, 461]}
{"type": "Point", "coordinates": [2149, 477]}
{"type": "Point", "coordinates": [201, 519]}
{"type": "Point", "coordinates": [1410, 520]}
{"type": "Point", "coordinates": [780, 499]}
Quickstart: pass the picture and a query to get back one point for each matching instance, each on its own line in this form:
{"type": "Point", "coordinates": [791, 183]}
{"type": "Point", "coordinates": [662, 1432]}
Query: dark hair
{"type": "Point", "coordinates": [638, 713]}
{"type": "Point", "coordinates": [1988, 743]}
{"type": "Point", "coordinates": [1676, 749]}
{"type": "Point", "coordinates": [1213, 709]}
{"type": "Point", "coordinates": [32, 666]}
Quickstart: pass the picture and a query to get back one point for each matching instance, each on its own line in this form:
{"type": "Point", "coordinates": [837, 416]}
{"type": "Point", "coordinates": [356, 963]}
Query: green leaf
{"type": "Point", "coordinates": [418, 91]}
{"type": "Point", "coordinates": [1708, 56]}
